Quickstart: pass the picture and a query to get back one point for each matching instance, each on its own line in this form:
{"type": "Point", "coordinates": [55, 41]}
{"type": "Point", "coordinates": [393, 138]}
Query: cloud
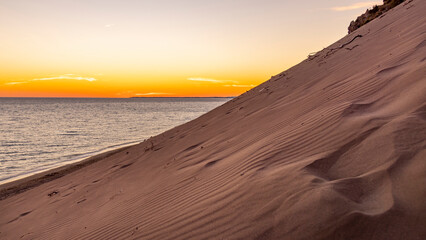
{"type": "Point", "coordinates": [152, 94]}
{"type": "Point", "coordinates": [14, 83]}
{"type": "Point", "coordinates": [240, 86]}
{"type": "Point", "coordinates": [109, 25]}
{"type": "Point", "coordinates": [68, 76]}
{"type": "Point", "coordinates": [357, 5]}
{"type": "Point", "coordinates": [205, 80]}
{"type": "Point", "coordinates": [197, 79]}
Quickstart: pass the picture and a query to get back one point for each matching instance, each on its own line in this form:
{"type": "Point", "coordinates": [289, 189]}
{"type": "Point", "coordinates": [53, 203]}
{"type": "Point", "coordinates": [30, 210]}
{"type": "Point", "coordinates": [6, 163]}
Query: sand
{"type": "Point", "coordinates": [333, 148]}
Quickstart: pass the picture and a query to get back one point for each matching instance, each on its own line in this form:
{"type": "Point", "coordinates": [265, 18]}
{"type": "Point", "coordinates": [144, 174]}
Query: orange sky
{"type": "Point", "coordinates": [159, 48]}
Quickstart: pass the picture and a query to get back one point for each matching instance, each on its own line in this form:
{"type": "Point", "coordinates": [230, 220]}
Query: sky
{"type": "Point", "coordinates": [147, 48]}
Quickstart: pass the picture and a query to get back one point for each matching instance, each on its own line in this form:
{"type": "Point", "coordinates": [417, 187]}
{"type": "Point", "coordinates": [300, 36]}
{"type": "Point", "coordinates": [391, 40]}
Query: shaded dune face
{"type": "Point", "coordinates": [333, 148]}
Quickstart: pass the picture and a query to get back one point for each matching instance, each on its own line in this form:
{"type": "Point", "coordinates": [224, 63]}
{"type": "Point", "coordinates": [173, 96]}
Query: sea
{"type": "Point", "coordinates": [38, 134]}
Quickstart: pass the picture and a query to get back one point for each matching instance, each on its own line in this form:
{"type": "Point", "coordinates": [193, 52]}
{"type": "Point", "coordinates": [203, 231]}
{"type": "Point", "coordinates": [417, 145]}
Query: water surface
{"type": "Point", "coordinates": [41, 133]}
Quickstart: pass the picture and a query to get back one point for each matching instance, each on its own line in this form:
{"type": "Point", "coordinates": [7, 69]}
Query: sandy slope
{"type": "Point", "coordinates": [333, 148]}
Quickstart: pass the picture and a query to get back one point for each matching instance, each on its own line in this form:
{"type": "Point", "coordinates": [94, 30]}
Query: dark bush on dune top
{"type": "Point", "coordinates": [373, 13]}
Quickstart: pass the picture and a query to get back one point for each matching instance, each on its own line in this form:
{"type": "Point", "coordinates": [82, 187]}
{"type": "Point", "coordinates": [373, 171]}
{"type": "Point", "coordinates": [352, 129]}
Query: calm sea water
{"type": "Point", "coordinates": [37, 134]}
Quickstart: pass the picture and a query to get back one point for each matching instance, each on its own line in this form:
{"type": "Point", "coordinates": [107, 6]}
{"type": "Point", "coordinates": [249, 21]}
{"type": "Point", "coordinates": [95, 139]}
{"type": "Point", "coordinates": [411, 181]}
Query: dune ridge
{"type": "Point", "coordinates": [333, 148]}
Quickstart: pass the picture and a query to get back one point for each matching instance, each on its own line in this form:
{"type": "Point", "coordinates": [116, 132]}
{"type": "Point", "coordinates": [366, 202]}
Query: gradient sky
{"type": "Point", "coordinates": [125, 48]}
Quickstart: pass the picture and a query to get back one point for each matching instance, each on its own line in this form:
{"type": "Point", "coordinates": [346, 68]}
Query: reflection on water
{"type": "Point", "coordinates": [41, 133]}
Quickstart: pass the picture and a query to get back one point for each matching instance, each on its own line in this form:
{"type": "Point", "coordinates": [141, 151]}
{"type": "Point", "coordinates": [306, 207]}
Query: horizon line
{"type": "Point", "coordinates": [125, 97]}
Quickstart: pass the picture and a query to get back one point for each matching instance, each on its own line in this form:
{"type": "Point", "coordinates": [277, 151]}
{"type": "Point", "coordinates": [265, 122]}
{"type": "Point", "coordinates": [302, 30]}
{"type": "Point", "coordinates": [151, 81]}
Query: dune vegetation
{"type": "Point", "coordinates": [373, 13]}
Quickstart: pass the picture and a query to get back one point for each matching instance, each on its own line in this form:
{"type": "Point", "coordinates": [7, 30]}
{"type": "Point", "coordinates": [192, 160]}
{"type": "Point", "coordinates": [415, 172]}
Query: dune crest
{"type": "Point", "coordinates": [333, 148]}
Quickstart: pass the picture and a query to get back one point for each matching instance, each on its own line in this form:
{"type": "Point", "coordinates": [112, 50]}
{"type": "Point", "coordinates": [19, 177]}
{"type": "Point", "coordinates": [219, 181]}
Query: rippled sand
{"type": "Point", "coordinates": [333, 148]}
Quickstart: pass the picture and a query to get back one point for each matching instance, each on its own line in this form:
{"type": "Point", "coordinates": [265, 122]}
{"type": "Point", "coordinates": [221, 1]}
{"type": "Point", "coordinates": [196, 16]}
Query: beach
{"type": "Point", "coordinates": [332, 148]}
{"type": "Point", "coordinates": [40, 134]}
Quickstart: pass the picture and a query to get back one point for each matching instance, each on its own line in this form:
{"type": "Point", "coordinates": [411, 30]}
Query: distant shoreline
{"type": "Point", "coordinates": [109, 98]}
{"type": "Point", "coordinates": [184, 97]}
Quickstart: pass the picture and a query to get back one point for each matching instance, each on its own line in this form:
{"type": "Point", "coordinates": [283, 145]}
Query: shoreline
{"type": "Point", "coordinates": [28, 182]}
{"type": "Point", "coordinates": [332, 148]}
{"type": "Point", "coordinates": [80, 158]}
{"type": "Point", "coordinates": [72, 157]}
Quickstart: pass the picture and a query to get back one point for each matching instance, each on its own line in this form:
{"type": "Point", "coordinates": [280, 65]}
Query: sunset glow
{"type": "Point", "coordinates": [159, 48]}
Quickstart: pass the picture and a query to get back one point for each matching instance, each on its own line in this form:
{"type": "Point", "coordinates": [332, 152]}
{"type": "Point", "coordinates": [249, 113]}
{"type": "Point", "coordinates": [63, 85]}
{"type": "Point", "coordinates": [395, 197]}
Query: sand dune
{"type": "Point", "coordinates": [333, 148]}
